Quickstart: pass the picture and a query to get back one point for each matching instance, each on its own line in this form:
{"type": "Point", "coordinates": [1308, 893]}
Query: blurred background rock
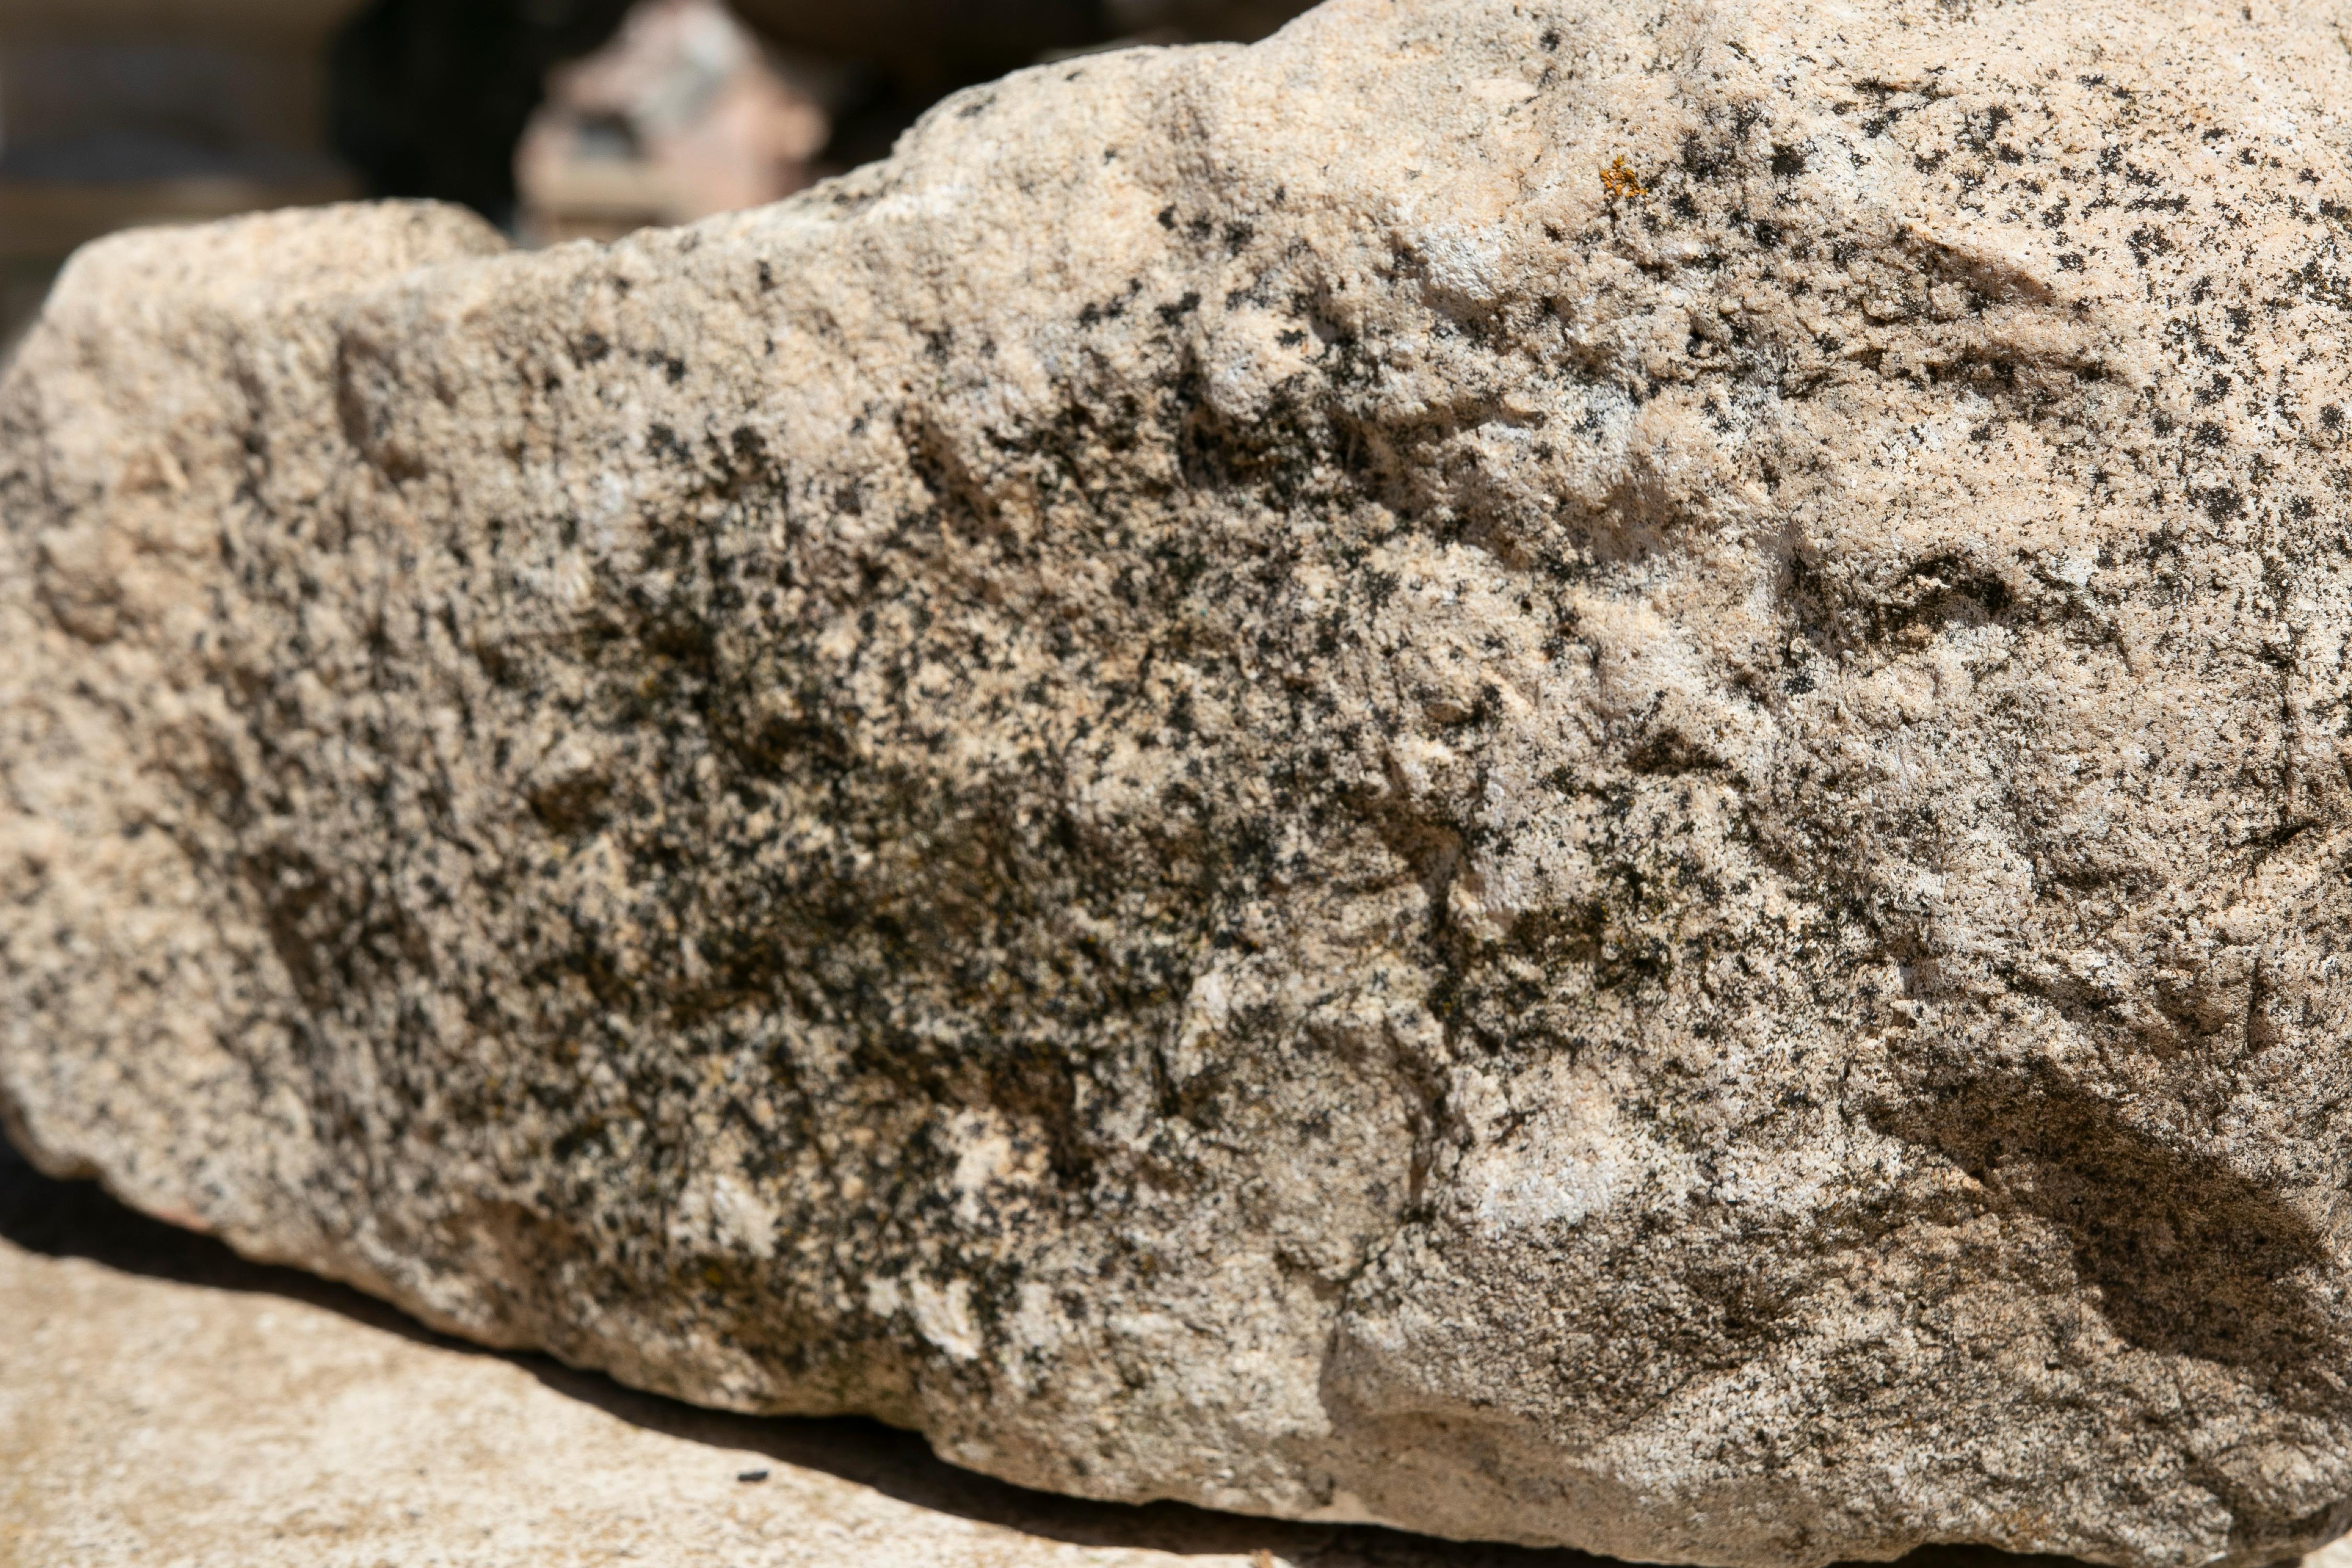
{"type": "Point", "coordinates": [556, 119]}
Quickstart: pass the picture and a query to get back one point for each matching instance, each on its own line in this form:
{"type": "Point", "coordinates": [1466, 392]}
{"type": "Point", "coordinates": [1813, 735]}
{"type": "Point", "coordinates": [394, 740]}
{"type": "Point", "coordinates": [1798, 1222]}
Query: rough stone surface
{"type": "Point", "coordinates": [1552, 772]}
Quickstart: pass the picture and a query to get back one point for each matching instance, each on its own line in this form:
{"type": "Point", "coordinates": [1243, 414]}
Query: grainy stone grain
{"type": "Point", "coordinates": [1556, 773]}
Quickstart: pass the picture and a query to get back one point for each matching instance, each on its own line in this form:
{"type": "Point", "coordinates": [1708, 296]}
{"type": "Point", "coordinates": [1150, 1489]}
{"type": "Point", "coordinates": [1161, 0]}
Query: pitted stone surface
{"type": "Point", "coordinates": [1555, 773]}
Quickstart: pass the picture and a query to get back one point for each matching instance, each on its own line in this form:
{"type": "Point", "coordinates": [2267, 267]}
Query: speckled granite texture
{"type": "Point", "coordinates": [1553, 772]}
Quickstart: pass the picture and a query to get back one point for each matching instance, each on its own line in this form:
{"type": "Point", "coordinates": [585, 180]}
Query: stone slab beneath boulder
{"type": "Point", "coordinates": [163, 1400]}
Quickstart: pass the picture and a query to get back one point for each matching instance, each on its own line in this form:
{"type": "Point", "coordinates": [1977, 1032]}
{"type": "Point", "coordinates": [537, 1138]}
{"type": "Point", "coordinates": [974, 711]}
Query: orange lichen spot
{"type": "Point", "coordinates": [1619, 180]}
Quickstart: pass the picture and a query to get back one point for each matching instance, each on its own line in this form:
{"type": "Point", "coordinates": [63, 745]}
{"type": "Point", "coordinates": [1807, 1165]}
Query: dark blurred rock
{"type": "Point", "coordinates": [682, 115]}
{"type": "Point", "coordinates": [431, 96]}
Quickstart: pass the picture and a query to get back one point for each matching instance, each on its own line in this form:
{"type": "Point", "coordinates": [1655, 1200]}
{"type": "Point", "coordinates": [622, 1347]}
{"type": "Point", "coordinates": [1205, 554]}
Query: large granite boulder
{"type": "Point", "coordinates": [1557, 772]}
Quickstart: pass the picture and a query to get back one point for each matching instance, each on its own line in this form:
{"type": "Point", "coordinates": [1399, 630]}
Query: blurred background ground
{"type": "Point", "coordinates": [556, 119]}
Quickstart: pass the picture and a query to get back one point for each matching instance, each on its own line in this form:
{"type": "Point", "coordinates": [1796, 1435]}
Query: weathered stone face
{"type": "Point", "coordinates": [1559, 774]}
